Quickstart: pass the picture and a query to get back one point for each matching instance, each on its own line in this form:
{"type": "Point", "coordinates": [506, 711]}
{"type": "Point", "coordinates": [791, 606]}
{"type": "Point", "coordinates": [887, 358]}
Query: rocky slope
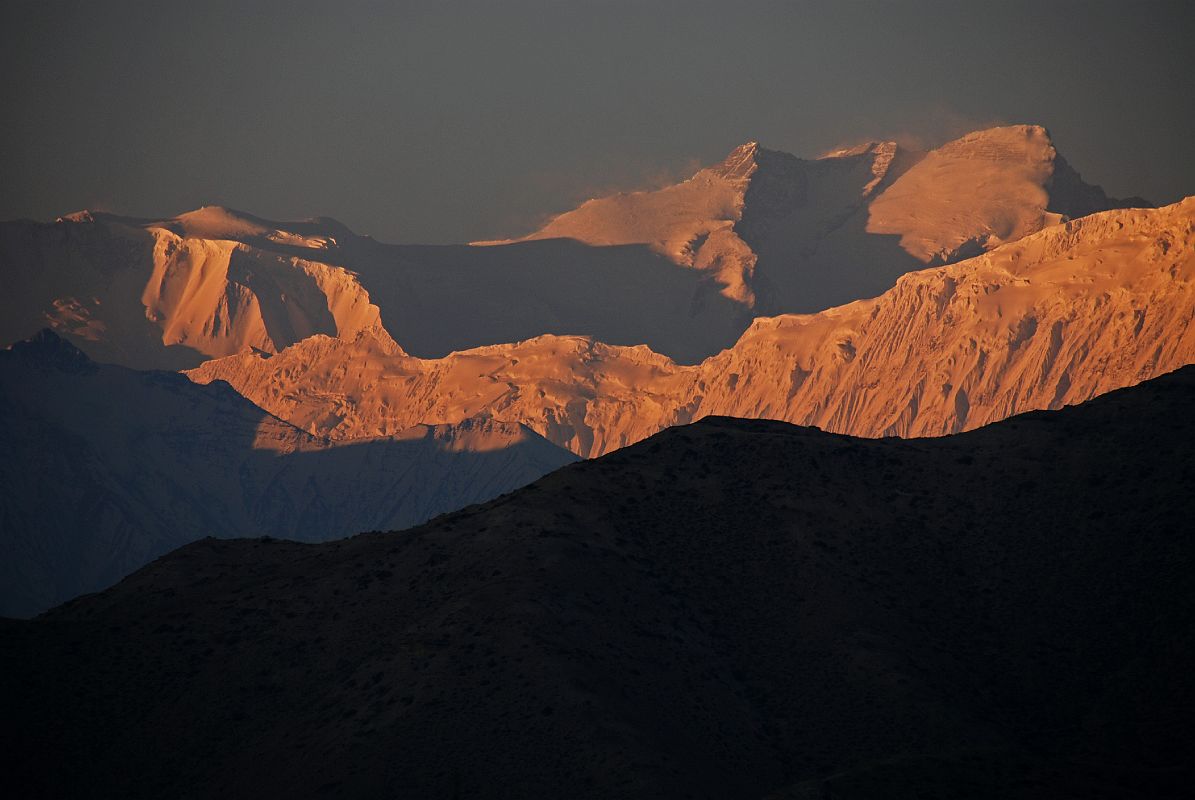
{"type": "Point", "coordinates": [170, 294]}
{"type": "Point", "coordinates": [106, 468]}
{"type": "Point", "coordinates": [1055, 318]}
{"type": "Point", "coordinates": [982, 190]}
{"type": "Point", "coordinates": [683, 269]}
{"type": "Point", "coordinates": [730, 609]}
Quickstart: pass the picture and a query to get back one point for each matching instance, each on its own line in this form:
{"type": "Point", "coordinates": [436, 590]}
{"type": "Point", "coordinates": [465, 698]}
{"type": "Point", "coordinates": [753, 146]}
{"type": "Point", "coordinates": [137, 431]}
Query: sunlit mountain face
{"type": "Point", "coordinates": [597, 400]}
{"type": "Point", "coordinates": [682, 270]}
{"type": "Point", "coordinates": [1056, 318]}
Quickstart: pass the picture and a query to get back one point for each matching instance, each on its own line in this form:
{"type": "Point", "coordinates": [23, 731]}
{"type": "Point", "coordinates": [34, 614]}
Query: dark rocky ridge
{"type": "Point", "coordinates": [728, 609]}
{"type": "Point", "coordinates": [1071, 196]}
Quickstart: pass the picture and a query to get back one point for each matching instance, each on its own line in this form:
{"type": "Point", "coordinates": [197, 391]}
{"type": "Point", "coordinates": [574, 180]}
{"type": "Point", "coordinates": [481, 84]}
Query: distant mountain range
{"type": "Point", "coordinates": [977, 280]}
{"type": "Point", "coordinates": [1054, 318]}
{"type": "Point", "coordinates": [719, 603]}
{"type": "Point", "coordinates": [732, 608]}
{"type": "Point", "coordinates": [106, 468]}
{"type": "Point", "coordinates": [682, 270]}
{"type": "Point", "coordinates": [782, 234]}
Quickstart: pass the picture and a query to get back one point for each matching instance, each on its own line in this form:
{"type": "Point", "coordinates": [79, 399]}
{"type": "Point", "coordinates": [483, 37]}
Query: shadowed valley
{"type": "Point", "coordinates": [106, 468]}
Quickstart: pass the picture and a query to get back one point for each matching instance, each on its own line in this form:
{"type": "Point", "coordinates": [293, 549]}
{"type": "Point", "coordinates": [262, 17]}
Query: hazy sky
{"type": "Point", "coordinates": [448, 121]}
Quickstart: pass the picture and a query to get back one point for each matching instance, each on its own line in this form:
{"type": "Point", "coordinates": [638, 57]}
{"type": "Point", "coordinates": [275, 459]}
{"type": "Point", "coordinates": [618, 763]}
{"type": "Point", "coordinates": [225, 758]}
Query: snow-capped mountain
{"type": "Point", "coordinates": [1055, 318]}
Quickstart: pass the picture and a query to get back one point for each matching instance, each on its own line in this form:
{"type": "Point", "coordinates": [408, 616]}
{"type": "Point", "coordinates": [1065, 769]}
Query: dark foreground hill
{"type": "Point", "coordinates": [728, 609]}
{"type": "Point", "coordinates": [104, 468]}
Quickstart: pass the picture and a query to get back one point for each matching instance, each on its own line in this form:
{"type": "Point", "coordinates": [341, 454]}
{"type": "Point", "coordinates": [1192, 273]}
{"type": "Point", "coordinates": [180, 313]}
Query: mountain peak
{"type": "Point", "coordinates": [875, 146]}
{"type": "Point", "coordinates": [1005, 143]}
{"type": "Point", "coordinates": [740, 162]}
{"type": "Point", "coordinates": [218, 222]}
{"type": "Point", "coordinates": [46, 348]}
{"type": "Point", "coordinates": [83, 215]}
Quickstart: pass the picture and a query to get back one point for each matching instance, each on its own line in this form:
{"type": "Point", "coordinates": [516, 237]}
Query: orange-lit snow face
{"type": "Point", "coordinates": [1060, 316]}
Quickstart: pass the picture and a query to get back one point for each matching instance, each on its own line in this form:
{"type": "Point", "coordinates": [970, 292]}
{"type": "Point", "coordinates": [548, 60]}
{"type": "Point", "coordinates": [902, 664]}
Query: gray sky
{"type": "Point", "coordinates": [451, 121]}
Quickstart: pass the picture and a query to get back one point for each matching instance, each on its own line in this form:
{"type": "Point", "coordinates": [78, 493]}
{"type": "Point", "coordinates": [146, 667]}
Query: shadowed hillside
{"type": "Point", "coordinates": [728, 609]}
{"type": "Point", "coordinates": [106, 468]}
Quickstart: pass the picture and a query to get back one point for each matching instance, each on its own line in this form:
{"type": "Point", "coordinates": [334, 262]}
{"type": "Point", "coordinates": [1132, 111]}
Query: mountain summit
{"type": "Point", "coordinates": [982, 190]}
{"type": "Point", "coordinates": [784, 234]}
{"type": "Point", "coordinates": [742, 162]}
